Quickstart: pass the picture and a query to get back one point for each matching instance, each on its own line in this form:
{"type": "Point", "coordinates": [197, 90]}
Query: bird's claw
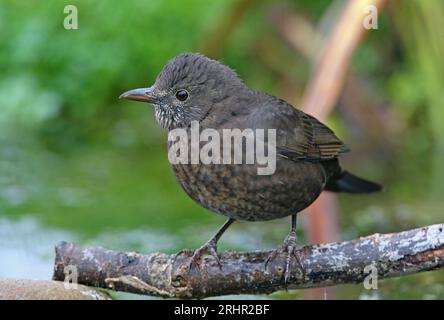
{"type": "Point", "coordinates": [209, 248]}
{"type": "Point", "coordinates": [291, 249]}
{"type": "Point", "coordinates": [183, 251]}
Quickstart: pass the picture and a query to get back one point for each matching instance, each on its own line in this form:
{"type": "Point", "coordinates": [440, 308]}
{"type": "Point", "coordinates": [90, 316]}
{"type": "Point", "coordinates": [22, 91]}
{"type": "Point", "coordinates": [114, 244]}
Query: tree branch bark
{"type": "Point", "coordinates": [159, 274]}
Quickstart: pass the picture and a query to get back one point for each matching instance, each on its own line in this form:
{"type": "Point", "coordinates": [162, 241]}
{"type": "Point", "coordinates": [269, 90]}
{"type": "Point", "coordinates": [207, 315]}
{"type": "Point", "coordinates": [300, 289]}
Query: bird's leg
{"type": "Point", "coordinates": [290, 248]}
{"type": "Point", "coordinates": [210, 247]}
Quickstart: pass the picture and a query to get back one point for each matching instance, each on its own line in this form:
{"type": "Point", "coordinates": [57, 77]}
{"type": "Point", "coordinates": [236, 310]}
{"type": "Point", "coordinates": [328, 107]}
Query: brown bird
{"type": "Point", "coordinates": [192, 87]}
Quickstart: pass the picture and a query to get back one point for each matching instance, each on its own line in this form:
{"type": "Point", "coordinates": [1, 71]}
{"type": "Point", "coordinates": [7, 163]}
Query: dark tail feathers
{"type": "Point", "coordinates": [347, 182]}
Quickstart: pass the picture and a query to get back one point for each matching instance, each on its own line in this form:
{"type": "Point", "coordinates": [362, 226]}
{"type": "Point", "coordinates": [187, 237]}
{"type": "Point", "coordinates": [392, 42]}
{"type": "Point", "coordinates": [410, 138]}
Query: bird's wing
{"type": "Point", "coordinates": [300, 136]}
{"type": "Point", "coordinates": [312, 140]}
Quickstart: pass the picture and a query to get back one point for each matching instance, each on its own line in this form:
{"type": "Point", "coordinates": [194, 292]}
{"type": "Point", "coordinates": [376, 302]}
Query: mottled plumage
{"type": "Point", "coordinates": [307, 150]}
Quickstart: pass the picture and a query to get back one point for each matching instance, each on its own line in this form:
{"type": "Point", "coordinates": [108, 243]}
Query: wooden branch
{"type": "Point", "coordinates": [158, 274]}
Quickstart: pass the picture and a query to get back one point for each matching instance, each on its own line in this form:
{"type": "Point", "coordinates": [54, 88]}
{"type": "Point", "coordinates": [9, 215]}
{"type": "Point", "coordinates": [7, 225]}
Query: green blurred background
{"type": "Point", "coordinates": [78, 164]}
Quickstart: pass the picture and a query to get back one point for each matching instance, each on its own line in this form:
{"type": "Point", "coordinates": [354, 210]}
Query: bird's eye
{"type": "Point", "coordinates": [182, 95]}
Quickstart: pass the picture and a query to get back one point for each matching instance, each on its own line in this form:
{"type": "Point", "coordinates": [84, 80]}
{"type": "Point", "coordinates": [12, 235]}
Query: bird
{"type": "Point", "coordinates": [194, 88]}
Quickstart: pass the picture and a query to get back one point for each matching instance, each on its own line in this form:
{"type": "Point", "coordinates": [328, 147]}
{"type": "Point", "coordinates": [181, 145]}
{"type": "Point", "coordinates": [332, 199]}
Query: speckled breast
{"type": "Point", "coordinates": [237, 191]}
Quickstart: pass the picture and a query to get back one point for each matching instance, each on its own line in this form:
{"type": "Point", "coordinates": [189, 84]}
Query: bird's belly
{"type": "Point", "coordinates": [237, 191]}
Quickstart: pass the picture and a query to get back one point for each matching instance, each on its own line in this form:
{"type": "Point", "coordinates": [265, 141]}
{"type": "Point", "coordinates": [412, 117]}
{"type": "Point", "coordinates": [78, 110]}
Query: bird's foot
{"type": "Point", "coordinates": [209, 248]}
{"type": "Point", "coordinates": [292, 250]}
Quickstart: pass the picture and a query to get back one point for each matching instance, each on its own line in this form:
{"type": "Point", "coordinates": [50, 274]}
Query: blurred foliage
{"type": "Point", "coordinates": [417, 88]}
{"type": "Point", "coordinates": [58, 81]}
{"type": "Point", "coordinates": [75, 157]}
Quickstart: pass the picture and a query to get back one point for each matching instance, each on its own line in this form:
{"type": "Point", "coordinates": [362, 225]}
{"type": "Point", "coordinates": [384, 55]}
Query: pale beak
{"type": "Point", "coordinates": [142, 94]}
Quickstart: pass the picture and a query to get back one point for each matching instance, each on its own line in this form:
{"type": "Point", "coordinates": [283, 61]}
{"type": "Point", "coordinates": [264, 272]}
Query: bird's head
{"type": "Point", "coordinates": [186, 89]}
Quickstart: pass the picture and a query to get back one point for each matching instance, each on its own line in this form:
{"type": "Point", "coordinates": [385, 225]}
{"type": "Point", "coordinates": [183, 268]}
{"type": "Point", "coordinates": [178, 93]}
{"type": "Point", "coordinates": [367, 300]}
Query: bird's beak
{"type": "Point", "coordinates": [142, 94]}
